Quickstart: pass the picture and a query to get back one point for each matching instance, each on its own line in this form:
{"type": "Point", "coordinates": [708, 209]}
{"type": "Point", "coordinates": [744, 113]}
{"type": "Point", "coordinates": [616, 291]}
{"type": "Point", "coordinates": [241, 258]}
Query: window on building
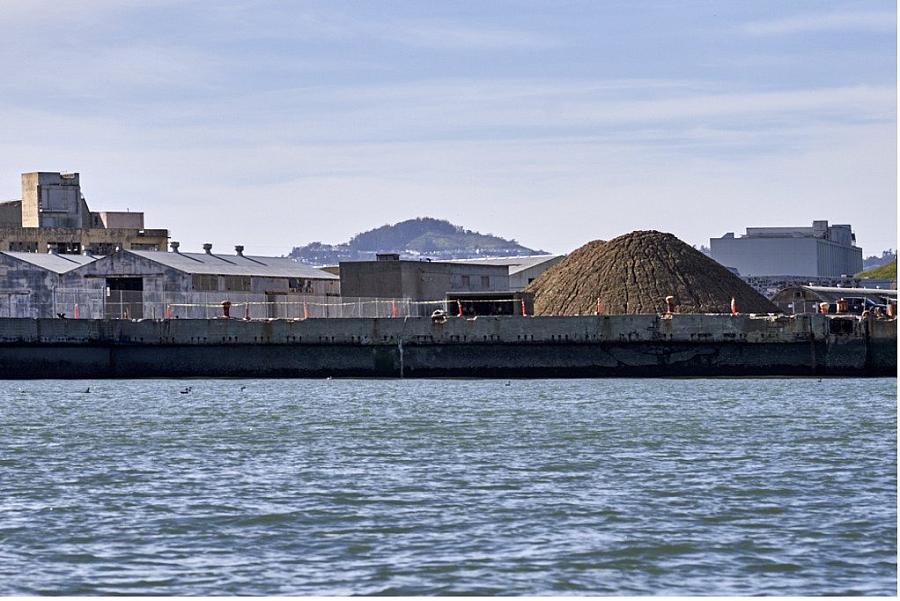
{"type": "Point", "coordinates": [66, 248]}
{"type": "Point", "coordinates": [28, 247]}
{"type": "Point", "coordinates": [485, 281]}
{"type": "Point", "coordinates": [465, 281]}
{"type": "Point", "coordinates": [237, 283]}
{"type": "Point", "coordinates": [102, 248]}
{"type": "Point", "coordinates": [302, 285]}
{"type": "Point", "coordinates": [204, 282]}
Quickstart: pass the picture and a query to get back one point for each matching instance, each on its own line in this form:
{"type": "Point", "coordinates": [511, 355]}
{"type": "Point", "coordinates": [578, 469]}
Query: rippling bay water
{"type": "Point", "coordinates": [733, 486]}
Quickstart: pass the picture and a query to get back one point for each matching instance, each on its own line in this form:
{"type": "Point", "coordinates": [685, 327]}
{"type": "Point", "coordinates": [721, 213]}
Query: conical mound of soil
{"type": "Point", "coordinates": [635, 273]}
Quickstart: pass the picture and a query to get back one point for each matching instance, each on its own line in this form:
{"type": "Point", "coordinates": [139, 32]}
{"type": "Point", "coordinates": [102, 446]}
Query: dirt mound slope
{"type": "Point", "coordinates": [635, 273]}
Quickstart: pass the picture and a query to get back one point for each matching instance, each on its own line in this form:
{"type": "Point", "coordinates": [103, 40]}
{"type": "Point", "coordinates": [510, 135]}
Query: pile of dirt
{"type": "Point", "coordinates": [635, 273]}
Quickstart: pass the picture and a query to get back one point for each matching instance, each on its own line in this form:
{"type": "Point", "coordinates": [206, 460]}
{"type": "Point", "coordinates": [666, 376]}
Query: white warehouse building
{"type": "Point", "coordinates": [817, 251]}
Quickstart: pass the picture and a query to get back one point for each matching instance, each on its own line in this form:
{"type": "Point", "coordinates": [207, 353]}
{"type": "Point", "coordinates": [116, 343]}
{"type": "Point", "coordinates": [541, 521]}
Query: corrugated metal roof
{"type": "Point", "coordinates": [213, 264]}
{"type": "Point", "coordinates": [515, 264]}
{"type": "Point", "coordinates": [51, 262]}
{"type": "Point", "coordinates": [851, 291]}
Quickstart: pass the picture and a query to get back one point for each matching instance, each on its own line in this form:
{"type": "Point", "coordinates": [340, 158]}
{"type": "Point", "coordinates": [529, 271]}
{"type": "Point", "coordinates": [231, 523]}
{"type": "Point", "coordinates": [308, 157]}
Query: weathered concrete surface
{"type": "Point", "coordinates": [588, 346]}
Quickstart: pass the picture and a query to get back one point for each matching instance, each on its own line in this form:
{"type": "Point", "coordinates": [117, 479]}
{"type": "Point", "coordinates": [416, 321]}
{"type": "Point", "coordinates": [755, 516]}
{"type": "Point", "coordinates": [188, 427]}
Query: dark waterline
{"type": "Point", "coordinates": [756, 486]}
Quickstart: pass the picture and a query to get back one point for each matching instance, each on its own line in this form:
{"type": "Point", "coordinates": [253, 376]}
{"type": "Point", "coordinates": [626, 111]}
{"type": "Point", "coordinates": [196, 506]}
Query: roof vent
{"type": "Point", "coordinates": [239, 249]}
{"type": "Point", "coordinates": [174, 245]}
{"type": "Point", "coordinates": [207, 248]}
{"type": "Point", "coordinates": [387, 257]}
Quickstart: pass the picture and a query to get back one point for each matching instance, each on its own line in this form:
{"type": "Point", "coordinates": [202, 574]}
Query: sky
{"type": "Point", "coordinates": [274, 124]}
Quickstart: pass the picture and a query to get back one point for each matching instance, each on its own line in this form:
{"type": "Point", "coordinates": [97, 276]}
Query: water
{"type": "Point", "coordinates": [756, 486]}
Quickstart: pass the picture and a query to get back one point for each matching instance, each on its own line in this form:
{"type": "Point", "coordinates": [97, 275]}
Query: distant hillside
{"type": "Point", "coordinates": [874, 261]}
{"type": "Point", "coordinates": [888, 271]}
{"type": "Point", "coordinates": [414, 238]}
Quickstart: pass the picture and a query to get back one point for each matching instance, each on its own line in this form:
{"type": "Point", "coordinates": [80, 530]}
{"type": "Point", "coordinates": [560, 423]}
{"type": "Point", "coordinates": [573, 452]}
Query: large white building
{"type": "Point", "coordinates": [817, 251]}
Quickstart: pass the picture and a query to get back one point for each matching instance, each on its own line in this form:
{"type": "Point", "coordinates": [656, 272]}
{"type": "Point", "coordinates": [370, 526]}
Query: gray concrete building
{"type": "Point", "coordinates": [389, 277]}
{"type": "Point", "coordinates": [34, 285]}
{"type": "Point", "coordinates": [149, 284]}
{"type": "Point", "coordinates": [522, 270]}
{"type": "Point", "coordinates": [817, 251]}
{"type": "Point", "coordinates": [54, 215]}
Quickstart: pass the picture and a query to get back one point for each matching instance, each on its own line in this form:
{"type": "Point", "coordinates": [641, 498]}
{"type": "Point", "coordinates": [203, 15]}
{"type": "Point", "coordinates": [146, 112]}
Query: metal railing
{"type": "Point", "coordinates": [102, 303]}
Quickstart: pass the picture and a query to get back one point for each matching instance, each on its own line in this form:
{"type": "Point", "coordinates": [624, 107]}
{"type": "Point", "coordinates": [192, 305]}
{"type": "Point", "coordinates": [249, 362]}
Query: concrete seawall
{"type": "Point", "coordinates": [587, 346]}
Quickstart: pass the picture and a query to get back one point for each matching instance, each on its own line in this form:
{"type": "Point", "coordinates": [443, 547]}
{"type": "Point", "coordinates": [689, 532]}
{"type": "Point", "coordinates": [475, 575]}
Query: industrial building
{"type": "Point", "coordinates": [820, 251]}
{"type": "Point", "coordinates": [807, 299]}
{"type": "Point", "coordinates": [36, 284]}
{"type": "Point", "coordinates": [522, 270]}
{"type": "Point", "coordinates": [138, 284]}
{"type": "Point", "coordinates": [388, 277]}
{"type": "Point", "coordinates": [53, 215]}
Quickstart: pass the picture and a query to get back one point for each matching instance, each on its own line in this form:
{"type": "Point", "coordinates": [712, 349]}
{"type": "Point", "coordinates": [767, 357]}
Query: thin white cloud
{"type": "Point", "coordinates": [455, 36]}
{"type": "Point", "coordinates": [875, 22]}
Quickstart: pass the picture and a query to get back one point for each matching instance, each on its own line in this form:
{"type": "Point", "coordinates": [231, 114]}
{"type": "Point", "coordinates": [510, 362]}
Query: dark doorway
{"type": "Point", "coordinates": [124, 298]}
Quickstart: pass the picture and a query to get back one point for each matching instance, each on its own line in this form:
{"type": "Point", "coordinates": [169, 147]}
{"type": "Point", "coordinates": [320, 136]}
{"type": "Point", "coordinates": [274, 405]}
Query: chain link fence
{"type": "Point", "coordinates": [137, 304]}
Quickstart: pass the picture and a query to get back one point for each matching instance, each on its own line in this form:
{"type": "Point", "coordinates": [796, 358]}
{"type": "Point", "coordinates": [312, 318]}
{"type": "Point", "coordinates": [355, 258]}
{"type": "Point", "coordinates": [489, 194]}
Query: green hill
{"type": "Point", "coordinates": [888, 271]}
{"type": "Point", "coordinates": [414, 238]}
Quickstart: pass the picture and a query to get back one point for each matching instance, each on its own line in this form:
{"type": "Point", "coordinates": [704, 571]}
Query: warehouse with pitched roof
{"type": "Point", "coordinates": [151, 284]}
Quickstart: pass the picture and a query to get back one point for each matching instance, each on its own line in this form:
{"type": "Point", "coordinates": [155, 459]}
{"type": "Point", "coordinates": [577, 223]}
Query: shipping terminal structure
{"type": "Point", "coordinates": [89, 294]}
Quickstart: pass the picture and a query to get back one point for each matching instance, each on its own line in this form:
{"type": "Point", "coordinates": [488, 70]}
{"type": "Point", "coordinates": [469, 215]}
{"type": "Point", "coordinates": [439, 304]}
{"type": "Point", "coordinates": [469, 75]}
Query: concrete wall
{"type": "Point", "coordinates": [11, 213]}
{"type": "Point", "coordinates": [97, 241]}
{"type": "Point", "coordinates": [30, 205]}
{"type": "Point", "coordinates": [53, 200]}
{"type": "Point", "coordinates": [590, 346]}
{"type": "Point", "coordinates": [122, 219]}
{"type": "Point", "coordinates": [418, 280]}
{"type": "Point", "coordinates": [27, 290]}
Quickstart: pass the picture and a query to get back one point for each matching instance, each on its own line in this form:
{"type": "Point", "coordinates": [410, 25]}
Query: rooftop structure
{"type": "Point", "coordinates": [53, 215]}
{"type": "Point", "coordinates": [817, 251]}
{"type": "Point", "coordinates": [522, 269]}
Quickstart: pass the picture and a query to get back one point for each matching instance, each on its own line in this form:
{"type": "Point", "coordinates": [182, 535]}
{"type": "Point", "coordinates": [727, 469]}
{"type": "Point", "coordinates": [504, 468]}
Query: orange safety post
{"type": "Point", "coordinates": [458, 309]}
{"type": "Point", "coordinates": [305, 311]}
{"type": "Point", "coordinates": [76, 310]}
{"type": "Point", "coordinates": [524, 313]}
{"type": "Point", "coordinates": [733, 306]}
{"type": "Point", "coordinates": [393, 309]}
{"type": "Point", "coordinates": [599, 309]}
{"type": "Point", "coordinates": [168, 311]}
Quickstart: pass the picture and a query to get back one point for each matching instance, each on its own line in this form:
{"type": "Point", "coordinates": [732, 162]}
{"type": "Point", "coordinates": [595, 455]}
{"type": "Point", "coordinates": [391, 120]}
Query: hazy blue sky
{"type": "Point", "coordinates": [273, 124]}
